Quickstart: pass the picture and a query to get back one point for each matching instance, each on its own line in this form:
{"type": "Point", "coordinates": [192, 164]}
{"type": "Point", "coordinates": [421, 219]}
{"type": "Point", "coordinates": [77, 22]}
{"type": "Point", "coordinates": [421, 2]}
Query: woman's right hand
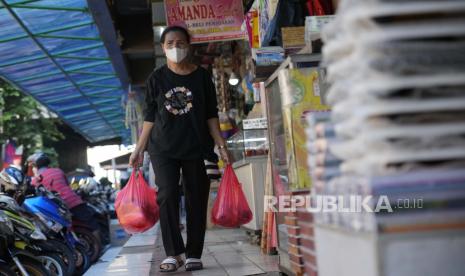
{"type": "Point", "coordinates": [136, 158]}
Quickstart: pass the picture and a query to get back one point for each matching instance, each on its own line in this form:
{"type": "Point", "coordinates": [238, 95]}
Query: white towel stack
{"type": "Point", "coordinates": [397, 74]}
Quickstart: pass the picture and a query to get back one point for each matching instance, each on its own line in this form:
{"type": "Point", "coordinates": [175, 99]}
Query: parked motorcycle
{"type": "Point", "coordinates": [58, 221]}
{"type": "Point", "coordinates": [90, 241]}
{"type": "Point", "coordinates": [30, 238]}
{"type": "Point", "coordinates": [57, 247]}
{"type": "Point", "coordinates": [14, 261]}
{"type": "Point", "coordinates": [44, 233]}
{"type": "Point", "coordinates": [97, 199]}
{"type": "Point", "coordinates": [101, 215]}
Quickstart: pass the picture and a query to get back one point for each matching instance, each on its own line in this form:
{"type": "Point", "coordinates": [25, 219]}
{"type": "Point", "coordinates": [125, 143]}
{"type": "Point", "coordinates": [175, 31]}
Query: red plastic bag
{"type": "Point", "coordinates": [136, 205]}
{"type": "Point", "coordinates": [230, 208]}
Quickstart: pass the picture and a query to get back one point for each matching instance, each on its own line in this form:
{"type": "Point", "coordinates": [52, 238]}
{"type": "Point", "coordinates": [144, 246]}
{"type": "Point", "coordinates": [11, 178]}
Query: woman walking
{"type": "Point", "coordinates": [180, 129]}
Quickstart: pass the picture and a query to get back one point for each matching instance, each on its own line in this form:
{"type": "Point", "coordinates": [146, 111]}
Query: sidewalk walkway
{"type": "Point", "coordinates": [227, 252]}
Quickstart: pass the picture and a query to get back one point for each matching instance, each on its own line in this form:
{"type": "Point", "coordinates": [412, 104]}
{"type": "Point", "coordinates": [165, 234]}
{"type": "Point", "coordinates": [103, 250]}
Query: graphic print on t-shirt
{"type": "Point", "coordinates": [178, 100]}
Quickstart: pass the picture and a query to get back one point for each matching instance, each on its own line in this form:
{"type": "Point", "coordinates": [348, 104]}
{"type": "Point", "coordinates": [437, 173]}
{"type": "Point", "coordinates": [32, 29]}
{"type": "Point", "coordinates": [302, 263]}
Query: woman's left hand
{"type": "Point", "coordinates": [226, 156]}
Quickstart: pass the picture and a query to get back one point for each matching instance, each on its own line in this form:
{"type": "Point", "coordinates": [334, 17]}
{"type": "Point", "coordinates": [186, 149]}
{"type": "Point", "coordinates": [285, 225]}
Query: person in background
{"type": "Point", "coordinates": [54, 180]}
{"type": "Point", "coordinates": [180, 128]}
{"type": "Point", "coordinates": [123, 179]}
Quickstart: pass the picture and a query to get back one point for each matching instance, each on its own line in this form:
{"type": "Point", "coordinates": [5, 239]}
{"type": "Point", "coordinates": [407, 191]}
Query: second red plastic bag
{"type": "Point", "coordinates": [136, 205]}
{"type": "Point", "coordinates": [230, 208]}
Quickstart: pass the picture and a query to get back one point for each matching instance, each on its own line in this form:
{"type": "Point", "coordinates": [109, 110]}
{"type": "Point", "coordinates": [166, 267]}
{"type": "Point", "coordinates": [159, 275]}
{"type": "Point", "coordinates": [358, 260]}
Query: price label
{"type": "Point", "coordinates": [259, 123]}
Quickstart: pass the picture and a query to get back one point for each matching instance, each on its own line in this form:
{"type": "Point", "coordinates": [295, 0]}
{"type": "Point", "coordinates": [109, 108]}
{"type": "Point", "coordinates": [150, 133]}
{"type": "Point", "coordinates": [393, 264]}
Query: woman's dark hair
{"type": "Point", "coordinates": [178, 29]}
{"type": "Point", "coordinates": [43, 161]}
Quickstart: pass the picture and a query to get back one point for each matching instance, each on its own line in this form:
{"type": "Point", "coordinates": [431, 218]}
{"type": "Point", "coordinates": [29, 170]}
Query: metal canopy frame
{"type": "Point", "coordinates": [54, 52]}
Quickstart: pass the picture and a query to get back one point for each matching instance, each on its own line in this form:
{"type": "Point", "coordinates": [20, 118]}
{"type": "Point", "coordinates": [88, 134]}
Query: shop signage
{"type": "Point", "coordinates": [207, 20]}
{"type": "Point", "coordinates": [258, 123]}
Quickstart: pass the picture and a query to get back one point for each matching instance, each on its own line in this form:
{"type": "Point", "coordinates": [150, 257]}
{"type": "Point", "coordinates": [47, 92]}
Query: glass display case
{"type": "Point", "coordinates": [248, 143]}
{"type": "Point", "coordinates": [291, 92]}
{"type": "Point", "coordinates": [249, 148]}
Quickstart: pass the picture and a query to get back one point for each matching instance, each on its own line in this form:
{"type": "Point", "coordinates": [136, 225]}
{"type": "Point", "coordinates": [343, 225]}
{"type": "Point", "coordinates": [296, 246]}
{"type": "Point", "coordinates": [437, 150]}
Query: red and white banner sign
{"type": "Point", "coordinates": [207, 20]}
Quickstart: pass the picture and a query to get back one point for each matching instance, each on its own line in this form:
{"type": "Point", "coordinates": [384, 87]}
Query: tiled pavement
{"type": "Point", "coordinates": [226, 252]}
{"type": "Point", "coordinates": [134, 258]}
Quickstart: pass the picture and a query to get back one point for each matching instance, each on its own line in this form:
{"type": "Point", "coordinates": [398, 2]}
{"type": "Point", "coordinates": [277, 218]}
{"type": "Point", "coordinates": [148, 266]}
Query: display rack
{"type": "Point", "coordinates": [285, 133]}
{"type": "Point", "coordinates": [372, 254]}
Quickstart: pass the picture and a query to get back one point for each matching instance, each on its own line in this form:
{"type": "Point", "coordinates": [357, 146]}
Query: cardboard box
{"type": "Point", "coordinates": [293, 37]}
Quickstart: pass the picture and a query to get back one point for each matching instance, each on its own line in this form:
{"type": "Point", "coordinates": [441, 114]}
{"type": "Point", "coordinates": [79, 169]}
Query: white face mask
{"type": "Point", "coordinates": [176, 55]}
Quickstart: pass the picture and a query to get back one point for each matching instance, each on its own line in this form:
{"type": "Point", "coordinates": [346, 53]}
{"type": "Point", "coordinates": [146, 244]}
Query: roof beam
{"type": "Point", "coordinates": [67, 121]}
{"type": "Point", "coordinates": [105, 109]}
{"type": "Point", "coordinates": [102, 18]}
{"type": "Point", "coordinates": [113, 113]}
{"type": "Point", "coordinates": [62, 99]}
{"type": "Point", "coordinates": [71, 107]}
{"type": "Point", "coordinates": [80, 58]}
{"type": "Point", "coordinates": [67, 37]}
{"type": "Point", "coordinates": [62, 28]}
{"type": "Point", "coordinates": [52, 59]}
{"type": "Point", "coordinates": [105, 97]}
{"type": "Point", "coordinates": [102, 92]}
{"type": "Point", "coordinates": [89, 65]}
{"type": "Point", "coordinates": [99, 102]}
{"type": "Point", "coordinates": [58, 72]}
{"type": "Point", "coordinates": [87, 112]}
{"type": "Point", "coordinates": [22, 60]}
{"type": "Point", "coordinates": [39, 7]}
{"type": "Point", "coordinates": [78, 49]}
{"type": "Point", "coordinates": [35, 58]}
{"type": "Point", "coordinates": [103, 86]}
{"type": "Point", "coordinates": [91, 73]}
{"type": "Point", "coordinates": [101, 78]}
{"type": "Point", "coordinates": [93, 95]}
{"type": "Point", "coordinates": [22, 2]}
{"type": "Point", "coordinates": [38, 76]}
{"type": "Point", "coordinates": [73, 83]}
{"type": "Point", "coordinates": [47, 90]}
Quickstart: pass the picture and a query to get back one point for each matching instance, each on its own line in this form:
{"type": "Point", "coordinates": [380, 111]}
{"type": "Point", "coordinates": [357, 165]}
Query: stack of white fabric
{"type": "Point", "coordinates": [397, 74]}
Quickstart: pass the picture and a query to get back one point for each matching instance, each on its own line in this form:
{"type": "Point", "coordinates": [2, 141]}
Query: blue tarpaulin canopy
{"type": "Point", "coordinates": [53, 51]}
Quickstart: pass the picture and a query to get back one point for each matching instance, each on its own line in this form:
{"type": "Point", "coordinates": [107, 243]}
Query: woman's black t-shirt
{"type": "Point", "coordinates": [179, 106]}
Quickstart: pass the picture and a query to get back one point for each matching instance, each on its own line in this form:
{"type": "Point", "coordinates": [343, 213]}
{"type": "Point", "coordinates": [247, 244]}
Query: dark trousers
{"type": "Point", "coordinates": [196, 187]}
